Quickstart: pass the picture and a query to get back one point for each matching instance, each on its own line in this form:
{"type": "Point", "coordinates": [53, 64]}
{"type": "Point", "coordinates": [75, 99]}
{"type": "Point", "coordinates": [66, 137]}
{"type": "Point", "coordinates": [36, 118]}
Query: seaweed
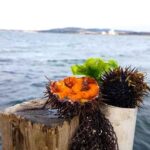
{"type": "Point", "coordinates": [94, 67]}
{"type": "Point", "coordinates": [94, 133]}
{"type": "Point", "coordinates": [124, 87]}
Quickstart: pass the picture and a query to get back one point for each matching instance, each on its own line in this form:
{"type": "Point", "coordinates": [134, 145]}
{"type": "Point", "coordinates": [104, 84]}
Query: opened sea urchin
{"type": "Point", "coordinates": [124, 87]}
{"type": "Point", "coordinates": [70, 94]}
{"type": "Point", "coordinates": [80, 96]}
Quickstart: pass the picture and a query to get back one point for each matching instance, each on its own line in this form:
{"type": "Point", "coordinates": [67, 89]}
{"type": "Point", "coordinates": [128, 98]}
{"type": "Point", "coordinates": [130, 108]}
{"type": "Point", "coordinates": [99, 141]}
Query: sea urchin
{"type": "Point", "coordinates": [72, 94]}
{"type": "Point", "coordinates": [80, 96]}
{"type": "Point", "coordinates": [124, 87]}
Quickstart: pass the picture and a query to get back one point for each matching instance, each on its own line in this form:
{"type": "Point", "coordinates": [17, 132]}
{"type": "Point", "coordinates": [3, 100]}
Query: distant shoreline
{"type": "Point", "coordinates": [86, 31]}
{"type": "Point", "coordinates": [93, 31]}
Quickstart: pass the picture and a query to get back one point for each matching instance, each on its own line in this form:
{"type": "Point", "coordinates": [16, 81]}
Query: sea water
{"type": "Point", "coordinates": [27, 58]}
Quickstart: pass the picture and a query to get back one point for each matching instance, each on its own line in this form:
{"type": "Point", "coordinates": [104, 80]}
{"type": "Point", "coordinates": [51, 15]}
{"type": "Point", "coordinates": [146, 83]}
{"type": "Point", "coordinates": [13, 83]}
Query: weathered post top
{"type": "Point", "coordinates": [26, 126]}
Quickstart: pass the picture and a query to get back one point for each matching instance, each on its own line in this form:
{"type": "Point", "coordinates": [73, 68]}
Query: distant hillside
{"type": "Point", "coordinates": [75, 30]}
{"type": "Point", "coordinates": [106, 31]}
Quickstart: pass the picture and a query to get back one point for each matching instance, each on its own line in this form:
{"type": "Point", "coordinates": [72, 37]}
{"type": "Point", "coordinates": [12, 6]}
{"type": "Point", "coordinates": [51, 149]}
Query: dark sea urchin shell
{"type": "Point", "coordinates": [124, 87]}
{"type": "Point", "coordinates": [95, 132]}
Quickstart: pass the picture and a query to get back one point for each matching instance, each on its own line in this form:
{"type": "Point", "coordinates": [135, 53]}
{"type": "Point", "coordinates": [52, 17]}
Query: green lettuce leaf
{"type": "Point", "coordinates": [94, 67]}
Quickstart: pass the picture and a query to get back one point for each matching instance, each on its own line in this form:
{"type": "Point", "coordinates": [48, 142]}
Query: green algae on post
{"type": "Point", "coordinates": [124, 87]}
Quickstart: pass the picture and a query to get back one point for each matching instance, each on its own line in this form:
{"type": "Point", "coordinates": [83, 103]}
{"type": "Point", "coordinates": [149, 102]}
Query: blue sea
{"type": "Point", "coordinates": [27, 58]}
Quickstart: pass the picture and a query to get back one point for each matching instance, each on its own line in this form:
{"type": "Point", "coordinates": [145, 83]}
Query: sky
{"type": "Point", "coordinates": [48, 14]}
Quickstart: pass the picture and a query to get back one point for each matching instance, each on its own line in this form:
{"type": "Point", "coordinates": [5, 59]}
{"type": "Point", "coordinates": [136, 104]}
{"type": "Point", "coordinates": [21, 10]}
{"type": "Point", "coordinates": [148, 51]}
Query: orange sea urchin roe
{"type": "Point", "coordinates": [75, 89]}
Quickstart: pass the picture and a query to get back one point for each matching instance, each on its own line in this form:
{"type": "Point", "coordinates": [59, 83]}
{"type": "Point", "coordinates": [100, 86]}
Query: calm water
{"type": "Point", "coordinates": [26, 58]}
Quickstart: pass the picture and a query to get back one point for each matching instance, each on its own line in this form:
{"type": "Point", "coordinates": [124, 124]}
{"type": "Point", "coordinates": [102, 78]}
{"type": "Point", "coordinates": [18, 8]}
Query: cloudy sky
{"type": "Point", "coordinates": [47, 14]}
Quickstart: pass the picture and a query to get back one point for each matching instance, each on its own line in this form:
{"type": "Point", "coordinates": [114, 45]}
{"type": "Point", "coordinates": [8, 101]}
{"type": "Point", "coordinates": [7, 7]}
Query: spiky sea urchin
{"type": "Point", "coordinates": [124, 87]}
{"type": "Point", "coordinates": [95, 131]}
{"type": "Point", "coordinates": [59, 94]}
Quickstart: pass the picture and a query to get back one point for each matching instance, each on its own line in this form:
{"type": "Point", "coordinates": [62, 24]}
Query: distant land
{"type": "Point", "coordinates": [74, 30]}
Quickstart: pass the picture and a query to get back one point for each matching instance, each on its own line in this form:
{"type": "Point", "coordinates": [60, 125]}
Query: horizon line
{"type": "Point", "coordinates": [121, 29]}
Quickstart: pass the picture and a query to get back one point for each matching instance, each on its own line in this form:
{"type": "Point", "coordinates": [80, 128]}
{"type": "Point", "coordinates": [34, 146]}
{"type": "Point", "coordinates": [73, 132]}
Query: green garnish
{"type": "Point", "coordinates": [94, 67]}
